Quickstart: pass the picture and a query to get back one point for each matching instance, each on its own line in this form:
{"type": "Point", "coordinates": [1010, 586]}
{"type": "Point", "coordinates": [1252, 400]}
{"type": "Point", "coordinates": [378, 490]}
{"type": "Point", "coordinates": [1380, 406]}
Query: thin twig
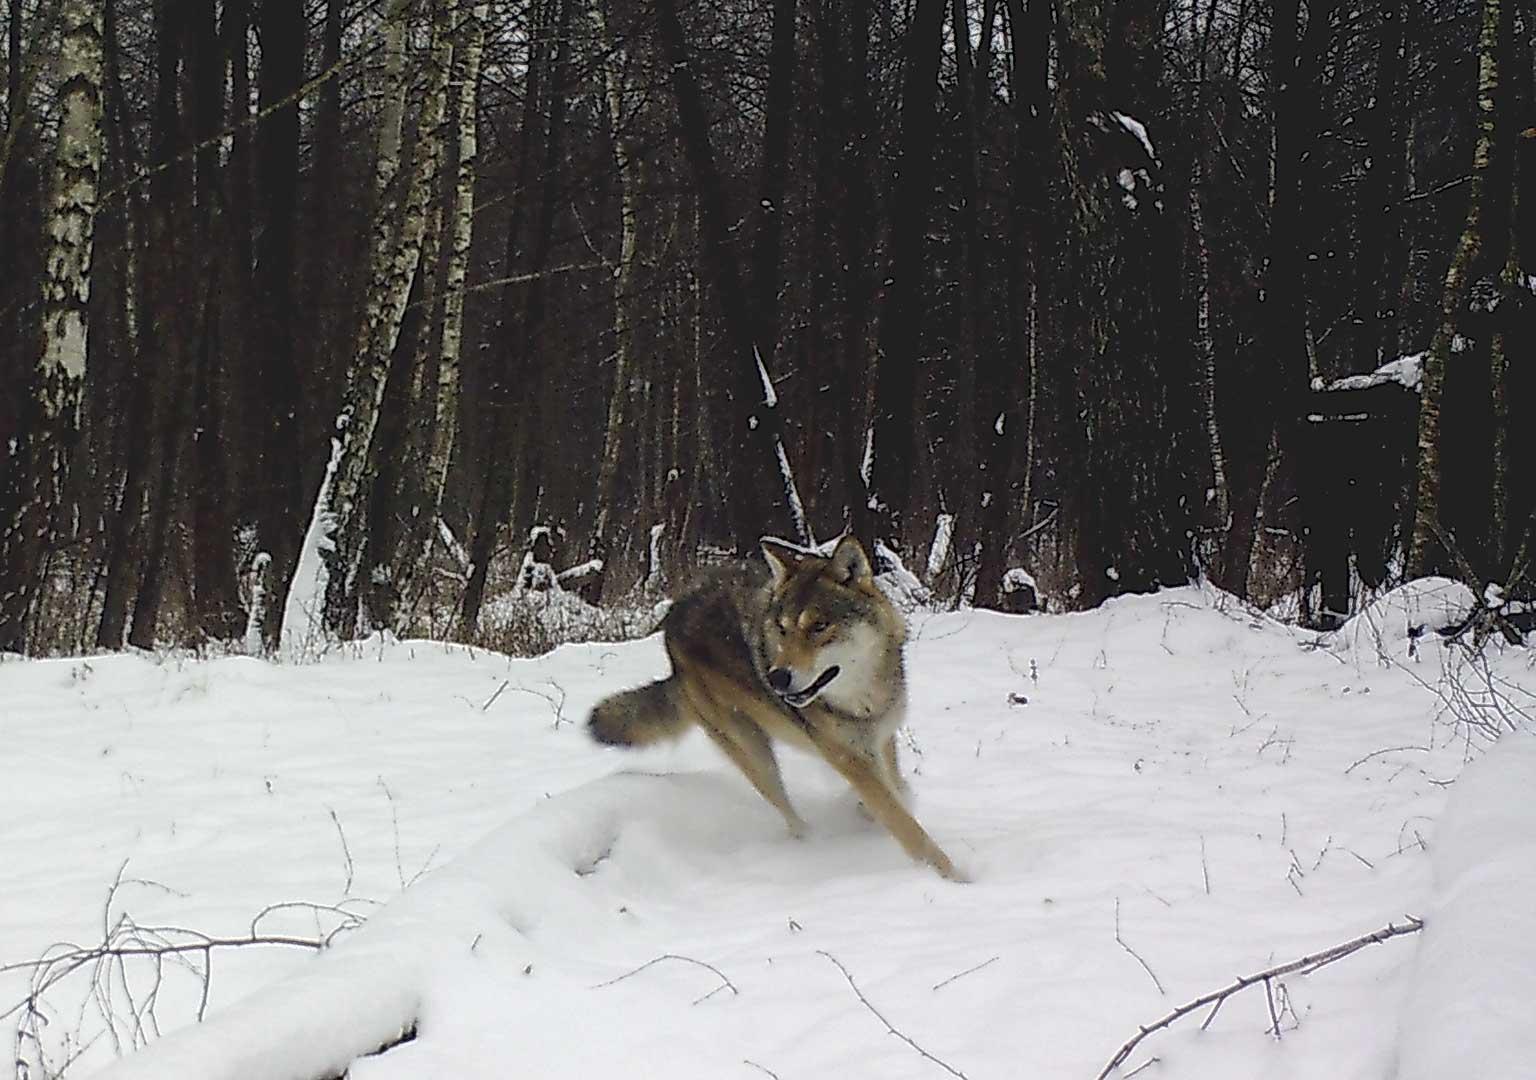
{"type": "Point", "coordinates": [888, 1025]}
{"type": "Point", "coordinates": [345, 851]}
{"type": "Point", "coordinates": [725, 982]}
{"type": "Point", "coordinates": [499, 690]}
{"type": "Point", "coordinates": [967, 971]}
{"type": "Point", "coordinates": [1305, 966]}
{"type": "Point", "coordinates": [1144, 965]}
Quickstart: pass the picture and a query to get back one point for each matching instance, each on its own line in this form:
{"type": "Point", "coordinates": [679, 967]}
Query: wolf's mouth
{"type": "Point", "coordinates": [806, 696]}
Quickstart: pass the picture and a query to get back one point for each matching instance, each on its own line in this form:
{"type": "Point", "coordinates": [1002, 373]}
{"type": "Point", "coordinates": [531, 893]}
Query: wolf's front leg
{"type": "Point", "coordinates": [864, 773]}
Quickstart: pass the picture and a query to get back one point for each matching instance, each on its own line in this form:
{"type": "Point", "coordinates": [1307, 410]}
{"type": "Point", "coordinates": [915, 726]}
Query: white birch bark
{"type": "Point", "coordinates": [416, 552]}
{"type": "Point", "coordinates": [71, 212]}
{"type": "Point", "coordinates": [472, 41]}
{"type": "Point", "coordinates": [36, 463]}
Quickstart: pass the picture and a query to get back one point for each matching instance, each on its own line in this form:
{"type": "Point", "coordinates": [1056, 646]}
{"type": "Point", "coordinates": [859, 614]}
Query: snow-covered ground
{"type": "Point", "coordinates": [1153, 798]}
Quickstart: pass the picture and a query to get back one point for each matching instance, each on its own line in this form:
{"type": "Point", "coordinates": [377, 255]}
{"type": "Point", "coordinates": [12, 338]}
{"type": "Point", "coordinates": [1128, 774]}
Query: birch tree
{"type": "Point", "coordinates": [440, 404]}
{"type": "Point", "coordinates": [1424, 554]}
{"type": "Point", "coordinates": [396, 254]}
{"type": "Point", "coordinates": [39, 459]}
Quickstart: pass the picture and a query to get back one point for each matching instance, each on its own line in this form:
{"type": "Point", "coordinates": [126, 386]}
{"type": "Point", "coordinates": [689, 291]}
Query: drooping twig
{"type": "Point", "coordinates": [890, 1027]}
{"type": "Point", "coordinates": [1303, 966]}
{"type": "Point", "coordinates": [1144, 965]}
{"type": "Point", "coordinates": [725, 983]}
{"type": "Point", "coordinates": [345, 851]}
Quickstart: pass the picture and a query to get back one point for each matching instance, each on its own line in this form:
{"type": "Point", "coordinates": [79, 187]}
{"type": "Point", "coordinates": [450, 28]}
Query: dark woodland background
{"type": "Point", "coordinates": [974, 289]}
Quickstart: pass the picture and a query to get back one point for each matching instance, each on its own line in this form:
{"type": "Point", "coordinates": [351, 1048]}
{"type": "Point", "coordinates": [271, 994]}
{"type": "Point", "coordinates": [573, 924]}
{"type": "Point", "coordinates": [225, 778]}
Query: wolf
{"type": "Point", "coordinates": [807, 654]}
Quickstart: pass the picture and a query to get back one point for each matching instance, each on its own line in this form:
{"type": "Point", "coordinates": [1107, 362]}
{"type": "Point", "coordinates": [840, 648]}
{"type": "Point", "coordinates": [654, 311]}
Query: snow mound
{"type": "Point", "coordinates": [368, 990]}
{"type": "Point", "coordinates": [1386, 626]}
{"type": "Point", "coordinates": [1477, 934]}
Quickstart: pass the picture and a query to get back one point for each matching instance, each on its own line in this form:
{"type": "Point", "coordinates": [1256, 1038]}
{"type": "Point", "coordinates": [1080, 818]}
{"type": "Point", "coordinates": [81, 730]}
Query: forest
{"type": "Point", "coordinates": [1116, 293]}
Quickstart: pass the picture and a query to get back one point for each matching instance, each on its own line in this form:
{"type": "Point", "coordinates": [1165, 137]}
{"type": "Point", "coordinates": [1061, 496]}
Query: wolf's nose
{"type": "Point", "coordinates": [778, 679]}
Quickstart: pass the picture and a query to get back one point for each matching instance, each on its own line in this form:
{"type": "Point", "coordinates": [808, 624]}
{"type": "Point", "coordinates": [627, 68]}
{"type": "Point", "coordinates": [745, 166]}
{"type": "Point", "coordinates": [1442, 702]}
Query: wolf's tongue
{"type": "Point", "coordinates": [816, 687]}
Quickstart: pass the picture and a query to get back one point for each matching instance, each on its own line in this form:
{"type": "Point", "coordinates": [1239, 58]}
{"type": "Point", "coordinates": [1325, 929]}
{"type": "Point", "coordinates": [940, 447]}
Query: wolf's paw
{"type": "Point", "coordinates": [948, 870]}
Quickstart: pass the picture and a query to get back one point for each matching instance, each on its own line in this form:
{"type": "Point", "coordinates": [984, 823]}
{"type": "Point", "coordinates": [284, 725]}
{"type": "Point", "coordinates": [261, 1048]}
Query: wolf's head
{"type": "Point", "coordinates": [828, 629]}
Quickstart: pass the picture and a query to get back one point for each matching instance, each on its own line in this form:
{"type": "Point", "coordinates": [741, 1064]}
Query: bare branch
{"type": "Point", "coordinates": [725, 983]}
{"type": "Point", "coordinates": [888, 1025]}
{"type": "Point", "coordinates": [1305, 966]}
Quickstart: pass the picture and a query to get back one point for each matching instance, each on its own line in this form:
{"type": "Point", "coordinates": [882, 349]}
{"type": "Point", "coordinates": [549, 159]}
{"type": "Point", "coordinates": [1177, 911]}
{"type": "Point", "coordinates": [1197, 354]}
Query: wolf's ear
{"type": "Point", "coordinates": [782, 559]}
{"type": "Point", "coordinates": [849, 563]}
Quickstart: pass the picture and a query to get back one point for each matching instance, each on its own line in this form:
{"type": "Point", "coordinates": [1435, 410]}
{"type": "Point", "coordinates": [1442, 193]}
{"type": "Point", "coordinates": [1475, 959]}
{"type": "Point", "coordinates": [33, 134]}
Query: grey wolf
{"type": "Point", "coordinates": [808, 654]}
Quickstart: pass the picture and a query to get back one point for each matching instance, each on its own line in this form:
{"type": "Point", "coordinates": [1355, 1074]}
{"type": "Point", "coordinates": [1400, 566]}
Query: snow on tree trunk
{"type": "Point", "coordinates": [38, 461]}
{"type": "Point", "coordinates": [786, 474]}
{"type": "Point", "coordinates": [303, 625]}
{"type": "Point", "coordinates": [1423, 552]}
{"type": "Point", "coordinates": [395, 260]}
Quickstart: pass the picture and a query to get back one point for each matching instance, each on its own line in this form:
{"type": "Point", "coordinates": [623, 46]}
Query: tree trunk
{"type": "Point", "coordinates": [626, 161]}
{"type": "Point", "coordinates": [901, 323]}
{"type": "Point", "coordinates": [778, 109]}
{"type": "Point", "coordinates": [1426, 554]}
{"type": "Point", "coordinates": [1379, 190]}
{"type": "Point", "coordinates": [216, 613]}
{"type": "Point", "coordinates": [495, 499]}
{"type": "Point", "coordinates": [752, 414]}
{"type": "Point", "coordinates": [164, 327]}
{"type": "Point", "coordinates": [280, 381]}
{"type": "Point", "coordinates": [444, 410]}
{"type": "Point", "coordinates": [1028, 183]}
{"type": "Point", "coordinates": [127, 510]}
{"type": "Point", "coordinates": [40, 458]}
{"type": "Point", "coordinates": [395, 260]}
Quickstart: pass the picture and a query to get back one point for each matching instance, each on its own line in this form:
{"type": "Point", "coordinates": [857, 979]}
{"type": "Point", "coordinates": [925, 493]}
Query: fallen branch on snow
{"type": "Point", "coordinates": [890, 1027]}
{"type": "Point", "coordinates": [127, 1007]}
{"type": "Point", "coordinates": [725, 983]}
{"type": "Point", "coordinates": [1304, 966]}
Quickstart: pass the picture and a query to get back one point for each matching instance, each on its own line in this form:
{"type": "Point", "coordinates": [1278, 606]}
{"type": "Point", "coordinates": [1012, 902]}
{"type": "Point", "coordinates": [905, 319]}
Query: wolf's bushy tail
{"type": "Point", "coordinates": [641, 716]}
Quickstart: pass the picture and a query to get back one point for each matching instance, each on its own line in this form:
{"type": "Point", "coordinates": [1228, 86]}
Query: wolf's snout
{"type": "Point", "coordinates": [779, 679]}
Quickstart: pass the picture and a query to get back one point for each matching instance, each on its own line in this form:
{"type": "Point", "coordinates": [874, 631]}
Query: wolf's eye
{"type": "Point", "coordinates": [820, 626]}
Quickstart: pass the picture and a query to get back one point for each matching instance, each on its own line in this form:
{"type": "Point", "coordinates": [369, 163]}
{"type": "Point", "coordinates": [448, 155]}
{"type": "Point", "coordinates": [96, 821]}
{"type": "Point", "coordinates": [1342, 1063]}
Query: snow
{"type": "Point", "coordinates": [1128, 182]}
{"type": "Point", "coordinates": [1406, 371]}
{"type": "Point", "coordinates": [303, 631]}
{"type": "Point", "coordinates": [1139, 130]}
{"type": "Point", "coordinates": [1018, 578]}
{"type": "Point", "coordinates": [938, 551]}
{"type": "Point", "coordinates": [1384, 629]}
{"type": "Point", "coordinates": [1478, 936]}
{"type": "Point", "coordinates": [258, 608]}
{"type": "Point", "coordinates": [1169, 785]}
{"type": "Point", "coordinates": [770, 396]}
